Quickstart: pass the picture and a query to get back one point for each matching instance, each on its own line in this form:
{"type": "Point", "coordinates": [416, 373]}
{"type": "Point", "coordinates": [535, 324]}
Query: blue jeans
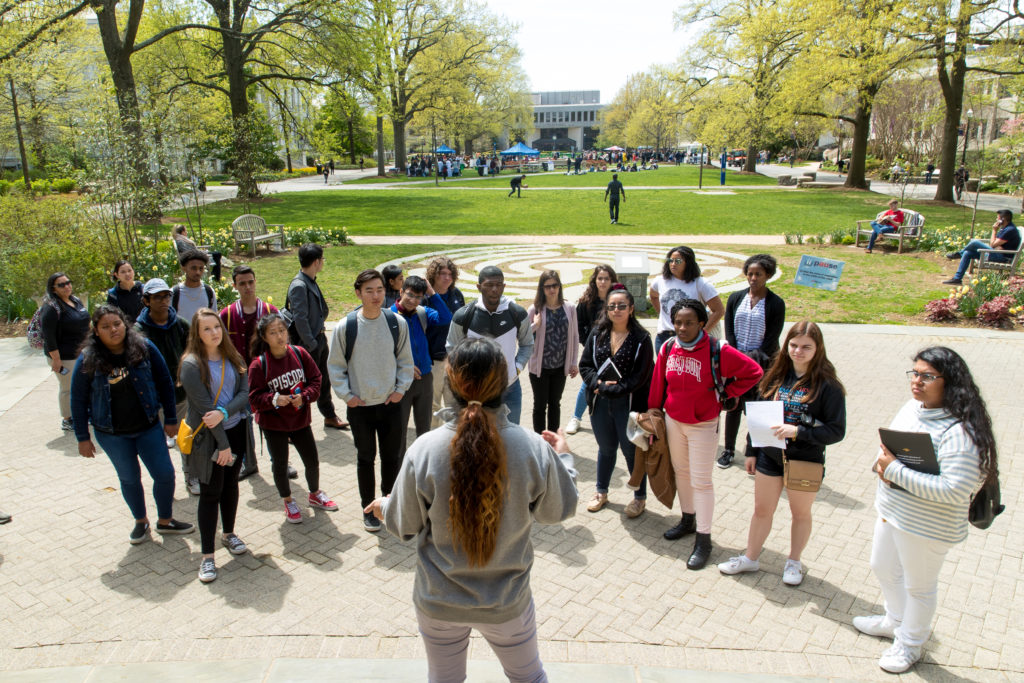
{"type": "Point", "coordinates": [609, 424]}
{"type": "Point", "coordinates": [661, 338]}
{"type": "Point", "coordinates": [878, 229]}
{"type": "Point", "coordinates": [514, 401]}
{"type": "Point", "coordinates": [150, 446]}
{"type": "Point", "coordinates": [581, 402]}
{"type": "Point", "coordinates": [967, 254]}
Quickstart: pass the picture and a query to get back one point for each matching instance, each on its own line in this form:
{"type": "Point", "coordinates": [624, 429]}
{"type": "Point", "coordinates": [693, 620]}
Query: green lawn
{"type": "Point", "coordinates": [665, 176]}
{"type": "Point", "coordinates": [469, 208]}
{"type": "Point", "coordinates": [910, 280]}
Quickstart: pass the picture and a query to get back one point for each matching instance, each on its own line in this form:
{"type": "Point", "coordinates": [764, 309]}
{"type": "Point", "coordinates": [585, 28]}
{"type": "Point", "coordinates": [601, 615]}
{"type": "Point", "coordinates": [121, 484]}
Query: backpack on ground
{"type": "Point", "coordinates": [352, 330]}
{"type": "Point", "coordinates": [176, 295]}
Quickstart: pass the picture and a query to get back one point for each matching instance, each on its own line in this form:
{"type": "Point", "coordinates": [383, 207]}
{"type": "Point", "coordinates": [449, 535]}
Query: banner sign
{"type": "Point", "coordinates": [819, 273]}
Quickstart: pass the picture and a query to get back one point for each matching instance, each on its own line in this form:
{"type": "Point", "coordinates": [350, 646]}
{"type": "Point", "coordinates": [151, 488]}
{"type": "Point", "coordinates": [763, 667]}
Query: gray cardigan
{"type": "Point", "coordinates": [541, 488]}
{"type": "Point", "coordinates": [200, 401]}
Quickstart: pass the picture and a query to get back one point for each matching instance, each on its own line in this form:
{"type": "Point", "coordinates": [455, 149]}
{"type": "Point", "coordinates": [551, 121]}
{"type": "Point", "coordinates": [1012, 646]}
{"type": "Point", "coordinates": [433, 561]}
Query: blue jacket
{"type": "Point", "coordinates": [90, 395]}
{"type": "Point", "coordinates": [437, 335]}
{"type": "Point", "coordinates": [438, 315]}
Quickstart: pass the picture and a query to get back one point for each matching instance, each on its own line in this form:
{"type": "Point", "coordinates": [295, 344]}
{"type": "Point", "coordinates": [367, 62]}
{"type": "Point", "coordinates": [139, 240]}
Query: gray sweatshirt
{"type": "Point", "coordinates": [371, 374]}
{"type": "Point", "coordinates": [541, 488]}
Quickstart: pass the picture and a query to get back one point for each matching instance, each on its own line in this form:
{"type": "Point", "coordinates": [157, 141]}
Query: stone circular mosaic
{"type": "Point", "coordinates": [523, 265]}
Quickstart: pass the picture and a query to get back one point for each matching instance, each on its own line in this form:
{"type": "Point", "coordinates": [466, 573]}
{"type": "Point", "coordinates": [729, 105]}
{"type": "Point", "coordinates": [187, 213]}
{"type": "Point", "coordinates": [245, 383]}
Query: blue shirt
{"type": "Point", "coordinates": [227, 392]}
{"type": "Point", "coordinates": [1012, 236]}
{"type": "Point", "coordinates": [438, 315]}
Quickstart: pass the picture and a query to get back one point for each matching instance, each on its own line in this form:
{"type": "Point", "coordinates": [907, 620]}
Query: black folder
{"type": "Point", "coordinates": [913, 449]}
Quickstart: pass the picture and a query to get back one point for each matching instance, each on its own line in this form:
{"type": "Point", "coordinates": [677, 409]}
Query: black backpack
{"type": "Point", "coordinates": [352, 330]}
{"type": "Point", "coordinates": [715, 349]}
{"type": "Point", "coordinates": [176, 295]}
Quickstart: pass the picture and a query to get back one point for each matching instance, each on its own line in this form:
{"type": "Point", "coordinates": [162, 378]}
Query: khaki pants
{"type": "Point", "coordinates": [442, 397]}
{"type": "Point", "coordinates": [64, 390]}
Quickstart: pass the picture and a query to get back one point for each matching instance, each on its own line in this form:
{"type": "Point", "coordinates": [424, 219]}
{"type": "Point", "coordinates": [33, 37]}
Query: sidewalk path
{"type": "Point", "coordinates": [613, 597]}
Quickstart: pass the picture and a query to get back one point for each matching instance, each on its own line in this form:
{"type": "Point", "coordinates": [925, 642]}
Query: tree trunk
{"type": "Point", "coordinates": [952, 86]}
{"type": "Point", "coordinates": [856, 177]}
{"type": "Point", "coordinates": [35, 131]}
{"type": "Point", "coordinates": [21, 140]}
{"type": "Point", "coordinates": [234, 67]}
{"type": "Point", "coordinates": [469, 146]}
{"type": "Point", "coordinates": [750, 165]}
{"type": "Point", "coordinates": [285, 135]}
{"type": "Point", "coordinates": [398, 124]}
{"type": "Point", "coordinates": [380, 146]}
{"type": "Point", "coordinates": [351, 140]}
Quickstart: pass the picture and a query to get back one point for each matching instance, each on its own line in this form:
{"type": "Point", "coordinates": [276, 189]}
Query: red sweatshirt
{"type": "Point", "coordinates": [691, 397]}
{"type": "Point", "coordinates": [282, 376]}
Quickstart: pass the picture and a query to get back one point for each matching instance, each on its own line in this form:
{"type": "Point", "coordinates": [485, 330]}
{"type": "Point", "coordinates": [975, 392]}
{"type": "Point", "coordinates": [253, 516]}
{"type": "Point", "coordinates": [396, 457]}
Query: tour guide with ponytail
{"type": "Point", "coordinates": [469, 492]}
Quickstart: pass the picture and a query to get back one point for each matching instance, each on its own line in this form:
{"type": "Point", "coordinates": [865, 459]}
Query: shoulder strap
{"type": "Point", "coordinates": [351, 330]}
{"type": "Point", "coordinates": [392, 320]}
{"type": "Point", "coordinates": [467, 318]}
{"type": "Point", "coordinates": [209, 295]}
{"type": "Point", "coordinates": [421, 313]}
{"type": "Point", "coordinates": [263, 364]}
{"type": "Point", "coordinates": [175, 296]}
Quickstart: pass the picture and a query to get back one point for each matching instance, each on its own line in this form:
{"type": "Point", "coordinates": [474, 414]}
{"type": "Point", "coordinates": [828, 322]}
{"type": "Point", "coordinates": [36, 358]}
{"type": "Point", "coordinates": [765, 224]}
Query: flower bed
{"type": "Point", "coordinates": [991, 300]}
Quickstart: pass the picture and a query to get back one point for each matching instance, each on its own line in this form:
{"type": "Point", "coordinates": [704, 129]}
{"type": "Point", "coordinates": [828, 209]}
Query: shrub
{"type": "Point", "coordinates": [5, 187]}
{"type": "Point", "coordinates": [40, 187]}
{"type": "Point", "coordinates": [941, 310]}
{"type": "Point", "coordinates": [63, 185]}
{"type": "Point", "coordinates": [996, 312]}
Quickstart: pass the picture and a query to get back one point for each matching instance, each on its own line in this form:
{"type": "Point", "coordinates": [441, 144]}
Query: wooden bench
{"type": "Point", "coordinates": [911, 230]}
{"type": "Point", "coordinates": [251, 229]}
{"type": "Point", "coordinates": [985, 261]}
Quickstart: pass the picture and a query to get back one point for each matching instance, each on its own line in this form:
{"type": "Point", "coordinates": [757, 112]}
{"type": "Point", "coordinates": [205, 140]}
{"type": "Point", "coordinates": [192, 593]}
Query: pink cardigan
{"type": "Point", "coordinates": [571, 354]}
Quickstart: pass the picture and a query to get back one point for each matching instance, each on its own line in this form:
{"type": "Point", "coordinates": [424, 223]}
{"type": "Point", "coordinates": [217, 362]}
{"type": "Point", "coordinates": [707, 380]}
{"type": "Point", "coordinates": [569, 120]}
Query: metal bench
{"type": "Point", "coordinates": [250, 229]}
{"type": "Point", "coordinates": [911, 230]}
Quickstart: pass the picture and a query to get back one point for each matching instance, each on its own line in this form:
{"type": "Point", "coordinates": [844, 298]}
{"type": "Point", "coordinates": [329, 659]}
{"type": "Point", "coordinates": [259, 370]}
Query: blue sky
{"type": "Point", "coordinates": [591, 44]}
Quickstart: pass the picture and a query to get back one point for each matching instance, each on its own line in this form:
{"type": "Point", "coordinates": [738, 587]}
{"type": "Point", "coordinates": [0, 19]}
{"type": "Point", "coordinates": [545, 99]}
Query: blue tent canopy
{"type": "Point", "coordinates": [520, 149]}
{"type": "Point", "coordinates": [444, 149]}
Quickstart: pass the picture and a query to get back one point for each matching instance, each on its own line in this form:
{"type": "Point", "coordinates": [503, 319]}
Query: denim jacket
{"type": "Point", "coordinates": [90, 395]}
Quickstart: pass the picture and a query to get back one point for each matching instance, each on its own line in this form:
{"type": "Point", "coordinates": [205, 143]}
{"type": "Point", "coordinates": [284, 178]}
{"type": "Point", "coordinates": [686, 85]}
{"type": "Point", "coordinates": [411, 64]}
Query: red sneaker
{"type": "Point", "coordinates": [292, 514]}
{"type": "Point", "coordinates": [320, 500]}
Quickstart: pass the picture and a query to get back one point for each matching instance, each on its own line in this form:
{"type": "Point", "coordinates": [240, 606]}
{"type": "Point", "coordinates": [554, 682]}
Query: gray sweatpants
{"type": "Point", "coordinates": [514, 643]}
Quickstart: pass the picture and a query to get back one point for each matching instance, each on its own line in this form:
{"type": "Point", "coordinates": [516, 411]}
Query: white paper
{"type": "Point", "coordinates": [761, 417]}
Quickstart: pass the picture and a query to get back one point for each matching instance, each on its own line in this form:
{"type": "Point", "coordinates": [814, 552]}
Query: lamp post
{"type": "Point", "coordinates": [967, 135]}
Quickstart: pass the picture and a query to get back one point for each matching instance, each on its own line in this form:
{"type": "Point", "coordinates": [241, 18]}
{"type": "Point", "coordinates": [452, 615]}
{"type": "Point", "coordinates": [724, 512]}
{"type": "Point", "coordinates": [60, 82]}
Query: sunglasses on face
{"type": "Point", "coordinates": [553, 285]}
{"type": "Point", "coordinates": [618, 307]}
{"type": "Point", "coordinates": [676, 261]}
{"type": "Point", "coordinates": [66, 283]}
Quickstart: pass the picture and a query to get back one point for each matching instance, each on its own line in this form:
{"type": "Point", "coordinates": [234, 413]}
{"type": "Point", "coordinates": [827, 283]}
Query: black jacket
{"type": "Point", "coordinates": [823, 423]}
{"type": "Point", "coordinates": [774, 319]}
{"type": "Point", "coordinates": [636, 381]}
{"type": "Point", "coordinates": [170, 340]}
{"type": "Point", "coordinates": [308, 311]}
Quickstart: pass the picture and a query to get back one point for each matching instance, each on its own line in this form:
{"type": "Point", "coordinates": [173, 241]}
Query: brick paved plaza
{"type": "Point", "coordinates": [614, 599]}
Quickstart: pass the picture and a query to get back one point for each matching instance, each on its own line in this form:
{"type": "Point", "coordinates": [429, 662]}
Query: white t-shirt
{"type": "Point", "coordinates": [672, 290]}
{"type": "Point", "coordinates": [191, 299]}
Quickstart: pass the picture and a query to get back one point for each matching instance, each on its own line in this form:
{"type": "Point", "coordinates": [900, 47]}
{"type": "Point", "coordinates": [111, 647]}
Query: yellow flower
{"type": "Point", "coordinates": [154, 269]}
{"type": "Point", "coordinates": [974, 281]}
{"type": "Point", "coordinates": [270, 299]}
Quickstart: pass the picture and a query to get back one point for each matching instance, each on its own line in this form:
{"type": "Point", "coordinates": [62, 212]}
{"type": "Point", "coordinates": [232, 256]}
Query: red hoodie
{"type": "Point", "coordinates": [691, 397]}
{"type": "Point", "coordinates": [282, 376]}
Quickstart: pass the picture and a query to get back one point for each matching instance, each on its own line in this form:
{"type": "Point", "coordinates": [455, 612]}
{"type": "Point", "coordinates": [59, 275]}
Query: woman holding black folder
{"type": "Point", "coordinates": [616, 369]}
{"type": "Point", "coordinates": [920, 521]}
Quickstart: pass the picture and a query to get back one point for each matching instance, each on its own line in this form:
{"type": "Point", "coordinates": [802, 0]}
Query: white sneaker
{"type": "Point", "coordinates": [736, 565]}
{"type": "Point", "coordinates": [899, 658]}
{"type": "Point", "coordinates": [193, 486]}
{"type": "Point", "coordinates": [876, 625]}
{"type": "Point", "coordinates": [573, 426]}
{"type": "Point", "coordinates": [171, 442]}
{"type": "Point", "coordinates": [793, 574]}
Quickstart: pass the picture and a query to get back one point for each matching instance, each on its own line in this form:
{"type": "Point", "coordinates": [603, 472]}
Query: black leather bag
{"type": "Point", "coordinates": [986, 505]}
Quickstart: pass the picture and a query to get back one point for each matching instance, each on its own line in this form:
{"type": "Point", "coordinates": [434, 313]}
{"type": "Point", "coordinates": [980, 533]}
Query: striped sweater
{"type": "Point", "coordinates": [933, 505]}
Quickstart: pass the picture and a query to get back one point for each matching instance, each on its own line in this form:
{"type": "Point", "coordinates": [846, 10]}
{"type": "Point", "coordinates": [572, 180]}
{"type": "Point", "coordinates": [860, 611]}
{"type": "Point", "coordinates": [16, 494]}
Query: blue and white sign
{"type": "Point", "coordinates": [819, 273]}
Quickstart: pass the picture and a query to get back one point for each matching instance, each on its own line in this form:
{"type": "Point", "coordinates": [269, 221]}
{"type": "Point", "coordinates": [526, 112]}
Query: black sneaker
{"type": "Point", "coordinates": [175, 527]}
{"type": "Point", "coordinates": [725, 459]}
{"type": "Point", "coordinates": [67, 425]}
{"type": "Point", "coordinates": [246, 472]}
{"type": "Point", "coordinates": [371, 523]}
{"type": "Point", "coordinates": [953, 255]}
{"type": "Point", "coordinates": [140, 532]}
{"type": "Point", "coordinates": [953, 281]}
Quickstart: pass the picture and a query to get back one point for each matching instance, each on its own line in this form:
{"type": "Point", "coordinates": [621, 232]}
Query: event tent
{"type": "Point", "coordinates": [520, 149]}
{"type": "Point", "coordinates": [444, 149]}
{"type": "Point", "coordinates": [614, 148]}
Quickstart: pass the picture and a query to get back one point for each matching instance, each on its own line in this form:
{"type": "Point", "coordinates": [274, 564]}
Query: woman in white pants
{"type": "Point", "coordinates": [918, 524]}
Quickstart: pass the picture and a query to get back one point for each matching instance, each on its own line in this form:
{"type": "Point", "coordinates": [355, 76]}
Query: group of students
{"type": "Point", "coordinates": [431, 356]}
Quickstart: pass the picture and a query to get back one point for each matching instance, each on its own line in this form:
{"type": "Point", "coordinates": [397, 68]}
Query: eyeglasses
{"type": "Point", "coordinates": [553, 285]}
{"type": "Point", "coordinates": [618, 307]}
{"type": "Point", "coordinates": [676, 261]}
{"type": "Point", "coordinates": [66, 283]}
{"type": "Point", "coordinates": [925, 377]}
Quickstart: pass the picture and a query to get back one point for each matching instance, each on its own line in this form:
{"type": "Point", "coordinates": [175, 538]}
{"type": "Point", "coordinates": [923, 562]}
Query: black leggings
{"type": "Point", "coordinates": [547, 397]}
{"type": "Point", "coordinates": [221, 492]}
{"type": "Point", "coordinates": [277, 444]}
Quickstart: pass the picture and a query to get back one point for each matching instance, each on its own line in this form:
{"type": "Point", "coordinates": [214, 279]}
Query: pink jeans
{"type": "Point", "coordinates": [692, 449]}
